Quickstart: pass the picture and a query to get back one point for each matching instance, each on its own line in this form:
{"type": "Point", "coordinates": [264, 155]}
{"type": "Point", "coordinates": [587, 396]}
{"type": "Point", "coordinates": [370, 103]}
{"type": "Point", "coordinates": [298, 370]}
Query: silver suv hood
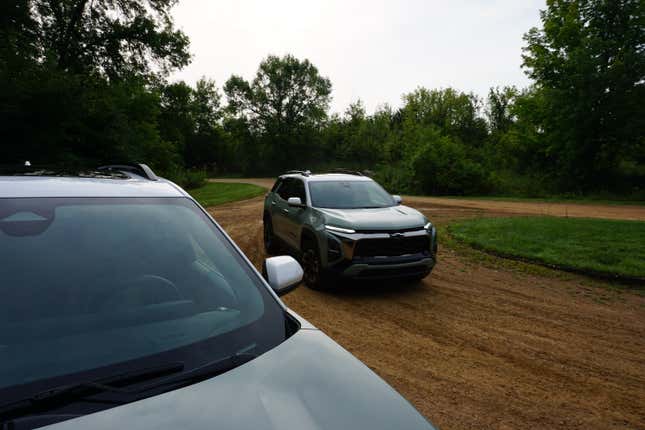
{"type": "Point", "coordinates": [306, 383]}
{"type": "Point", "coordinates": [391, 218]}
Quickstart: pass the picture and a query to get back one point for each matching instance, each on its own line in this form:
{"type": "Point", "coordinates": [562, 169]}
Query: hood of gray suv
{"type": "Point", "coordinates": [308, 383]}
{"type": "Point", "coordinates": [390, 218]}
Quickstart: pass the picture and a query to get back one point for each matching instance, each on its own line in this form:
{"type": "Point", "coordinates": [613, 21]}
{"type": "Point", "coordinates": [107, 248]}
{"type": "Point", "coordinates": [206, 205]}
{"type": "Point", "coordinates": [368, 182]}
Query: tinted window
{"type": "Point", "coordinates": [91, 287]}
{"type": "Point", "coordinates": [276, 185]}
{"type": "Point", "coordinates": [286, 189]}
{"type": "Point", "coordinates": [349, 195]}
{"type": "Point", "coordinates": [298, 190]}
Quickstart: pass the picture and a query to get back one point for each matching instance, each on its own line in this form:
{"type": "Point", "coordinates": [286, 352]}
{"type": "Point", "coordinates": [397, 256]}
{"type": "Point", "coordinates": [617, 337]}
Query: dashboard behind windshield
{"type": "Point", "coordinates": [92, 286]}
{"type": "Point", "coordinates": [349, 195]}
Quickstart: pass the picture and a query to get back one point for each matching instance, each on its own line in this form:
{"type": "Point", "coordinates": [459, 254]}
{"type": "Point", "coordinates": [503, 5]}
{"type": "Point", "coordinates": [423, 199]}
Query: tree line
{"type": "Point", "coordinates": [85, 83]}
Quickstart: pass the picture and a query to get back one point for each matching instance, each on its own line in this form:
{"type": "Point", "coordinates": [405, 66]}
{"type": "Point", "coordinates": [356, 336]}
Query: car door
{"type": "Point", "coordinates": [280, 209]}
{"type": "Point", "coordinates": [294, 215]}
{"type": "Point", "coordinates": [272, 198]}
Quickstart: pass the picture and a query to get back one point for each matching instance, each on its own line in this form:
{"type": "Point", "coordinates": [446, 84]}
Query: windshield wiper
{"type": "Point", "coordinates": [61, 396]}
{"type": "Point", "coordinates": [202, 372]}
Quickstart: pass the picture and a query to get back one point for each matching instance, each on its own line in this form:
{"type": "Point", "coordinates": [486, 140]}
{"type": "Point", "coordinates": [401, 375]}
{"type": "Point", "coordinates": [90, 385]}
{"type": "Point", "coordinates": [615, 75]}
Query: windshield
{"type": "Point", "coordinates": [90, 287]}
{"type": "Point", "coordinates": [349, 195]}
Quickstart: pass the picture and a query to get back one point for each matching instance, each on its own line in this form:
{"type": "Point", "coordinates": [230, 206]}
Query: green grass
{"type": "Point", "coordinates": [601, 247]}
{"type": "Point", "coordinates": [216, 193]}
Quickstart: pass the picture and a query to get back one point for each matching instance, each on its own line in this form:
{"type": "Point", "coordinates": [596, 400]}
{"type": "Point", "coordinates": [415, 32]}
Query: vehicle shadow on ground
{"type": "Point", "coordinates": [379, 288]}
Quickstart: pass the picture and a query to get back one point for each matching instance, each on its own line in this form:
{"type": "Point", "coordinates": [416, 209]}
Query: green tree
{"type": "Point", "coordinates": [207, 105]}
{"type": "Point", "coordinates": [115, 38]}
{"type": "Point", "coordinates": [18, 34]}
{"type": "Point", "coordinates": [284, 104]}
{"type": "Point", "coordinates": [209, 145]}
{"type": "Point", "coordinates": [455, 113]}
{"type": "Point", "coordinates": [515, 154]}
{"type": "Point", "coordinates": [190, 120]}
{"type": "Point", "coordinates": [588, 61]}
{"type": "Point", "coordinates": [176, 121]}
{"type": "Point", "coordinates": [355, 124]}
{"type": "Point", "coordinates": [439, 165]}
{"type": "Point", "coordinates": [442, 138]}
{"type": "Point", "coordinates": [498, 109]}
{"type": "Point", "coordinates": [76, 80]}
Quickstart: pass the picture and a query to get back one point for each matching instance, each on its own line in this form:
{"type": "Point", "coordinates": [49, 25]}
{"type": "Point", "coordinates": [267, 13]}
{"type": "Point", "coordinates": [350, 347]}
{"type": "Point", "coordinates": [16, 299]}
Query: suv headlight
{"type": "Point", "coordinates": [335, 229]}
{"type": "Point", "coordinates": [432, 231]}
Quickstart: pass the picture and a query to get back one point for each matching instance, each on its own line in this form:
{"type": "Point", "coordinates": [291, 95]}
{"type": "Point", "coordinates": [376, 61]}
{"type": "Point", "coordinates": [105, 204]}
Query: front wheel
{"type": "Point", "coordinates": [312, 267]}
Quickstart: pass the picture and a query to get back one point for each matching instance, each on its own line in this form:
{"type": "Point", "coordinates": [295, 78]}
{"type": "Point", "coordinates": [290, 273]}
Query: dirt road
{"type": "Point", "coordinates": [476, 346]}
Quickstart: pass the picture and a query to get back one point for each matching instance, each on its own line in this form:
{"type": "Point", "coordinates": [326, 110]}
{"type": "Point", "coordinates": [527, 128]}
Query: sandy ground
{"type": "Point", "coordinates": [480, 346]}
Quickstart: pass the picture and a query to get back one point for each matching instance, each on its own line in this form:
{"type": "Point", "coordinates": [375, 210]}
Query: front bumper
{"type": "Point", "coordinates": [347, 259]}
{"type": "Point", "coordinates": [389, 270]}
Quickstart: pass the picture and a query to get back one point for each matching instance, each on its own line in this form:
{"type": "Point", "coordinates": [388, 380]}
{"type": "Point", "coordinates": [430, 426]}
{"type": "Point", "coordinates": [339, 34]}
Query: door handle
{"type": "Point", "coordinates": [272, 203]}
{"type": "Point", "coordinates": [285, 211]}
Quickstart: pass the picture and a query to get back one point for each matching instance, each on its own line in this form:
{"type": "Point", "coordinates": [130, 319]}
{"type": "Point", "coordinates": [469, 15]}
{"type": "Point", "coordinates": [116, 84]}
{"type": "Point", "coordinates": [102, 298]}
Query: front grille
{"type": "Point", "coordinates": [391, 246]}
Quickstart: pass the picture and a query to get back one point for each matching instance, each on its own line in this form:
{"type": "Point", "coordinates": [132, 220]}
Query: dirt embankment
{"type": "Point", "coordinates": [476, 346]}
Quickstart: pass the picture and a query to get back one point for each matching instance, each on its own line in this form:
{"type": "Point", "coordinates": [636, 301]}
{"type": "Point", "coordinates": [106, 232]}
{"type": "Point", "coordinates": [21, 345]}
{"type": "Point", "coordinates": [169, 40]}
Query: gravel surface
{"type": "Point", "coordinates": [479, 345]}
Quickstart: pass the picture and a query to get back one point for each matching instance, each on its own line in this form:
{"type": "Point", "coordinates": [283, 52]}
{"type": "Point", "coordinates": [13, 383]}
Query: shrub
{"type": "Point", "coordinates": [189, 179]}
{"type": "Point", "coordinates": [395, 178]}
{"type": "Point", "coordinates": [441, 165]}
{"type": "Point", "coordinates": [194, 179]}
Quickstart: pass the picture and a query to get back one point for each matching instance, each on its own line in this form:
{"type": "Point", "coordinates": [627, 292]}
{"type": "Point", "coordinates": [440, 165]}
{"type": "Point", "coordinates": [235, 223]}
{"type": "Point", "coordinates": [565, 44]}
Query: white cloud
{"type": "Point", "coordinates": [374, 50]}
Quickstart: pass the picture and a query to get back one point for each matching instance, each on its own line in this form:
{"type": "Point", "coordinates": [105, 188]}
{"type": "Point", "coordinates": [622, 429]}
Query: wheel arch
{"type": "Point", "coordinates": [308, 236]}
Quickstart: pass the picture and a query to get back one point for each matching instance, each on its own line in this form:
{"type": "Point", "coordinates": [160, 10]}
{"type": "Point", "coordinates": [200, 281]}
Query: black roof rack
{"type": "Point", "coordinates": [138, 168]}
{"type": "Point", "coordinates": [298, 172]}
{"type": "Point", "coordinates": [29, 169]}
{"type": "Point", "coordinates": [346, 171]}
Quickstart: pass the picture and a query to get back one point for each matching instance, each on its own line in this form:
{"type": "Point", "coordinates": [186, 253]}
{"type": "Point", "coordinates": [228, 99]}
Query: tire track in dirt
{"type": "Point", "coordinates": [479, 347]}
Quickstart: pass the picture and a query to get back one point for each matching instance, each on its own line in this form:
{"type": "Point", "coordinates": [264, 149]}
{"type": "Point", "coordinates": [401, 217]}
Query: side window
{"type": "Point", "coordinates": [285, 189]}
{"type": "Point", "coordinates": [298, 190]}
{"type": "Point", "coordinates": [276, 185]}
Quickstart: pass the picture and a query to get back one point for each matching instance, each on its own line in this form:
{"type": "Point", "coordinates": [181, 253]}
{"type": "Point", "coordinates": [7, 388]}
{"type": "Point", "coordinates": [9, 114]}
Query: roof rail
{"type": "Point", "coordinates": [298, 172]}
{"type": "Point", "coordinates": [346, 171]}
{"type": "Point", "coordinates": [137, 168]}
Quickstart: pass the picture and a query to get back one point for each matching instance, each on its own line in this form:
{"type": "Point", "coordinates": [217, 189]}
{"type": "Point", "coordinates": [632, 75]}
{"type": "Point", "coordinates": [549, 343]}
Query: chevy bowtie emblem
{"type": "Point", "coordinates": [396, 235]}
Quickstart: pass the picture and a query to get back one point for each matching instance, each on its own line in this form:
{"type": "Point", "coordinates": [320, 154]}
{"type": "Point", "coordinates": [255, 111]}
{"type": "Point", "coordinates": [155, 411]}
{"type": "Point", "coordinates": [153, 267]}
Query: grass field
{"type": "Point", "coordinates": [604, 247]}
{"type": "Point", "coordinates": [216, 193]}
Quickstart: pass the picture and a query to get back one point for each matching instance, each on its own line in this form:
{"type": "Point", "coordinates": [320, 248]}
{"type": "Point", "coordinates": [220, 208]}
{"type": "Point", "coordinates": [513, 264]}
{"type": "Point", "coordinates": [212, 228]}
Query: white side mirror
{"type": "Point", "coordinates": [397, 199]}
{"type": "Point", "coordinates": [283, 273]}
{"type": "Point", "coordinates": [295, 202]}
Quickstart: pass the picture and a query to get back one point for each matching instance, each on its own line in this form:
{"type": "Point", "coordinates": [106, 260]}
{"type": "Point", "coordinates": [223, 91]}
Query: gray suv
{"type": "Point", "coordinates": [346, 224]}
{"type": "Point", "coordinates": [126, 306]}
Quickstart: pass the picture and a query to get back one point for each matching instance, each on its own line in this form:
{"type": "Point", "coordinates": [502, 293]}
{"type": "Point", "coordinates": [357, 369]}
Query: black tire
{"type": "Point", "coordinates": [270, 243]}
{"type": "Point", "coordinates": [312, 266]}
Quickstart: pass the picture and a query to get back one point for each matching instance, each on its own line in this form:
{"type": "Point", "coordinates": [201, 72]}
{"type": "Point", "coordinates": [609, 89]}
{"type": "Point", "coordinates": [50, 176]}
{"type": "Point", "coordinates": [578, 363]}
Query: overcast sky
{"type": "Point", "coordinates": [374, 50]}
